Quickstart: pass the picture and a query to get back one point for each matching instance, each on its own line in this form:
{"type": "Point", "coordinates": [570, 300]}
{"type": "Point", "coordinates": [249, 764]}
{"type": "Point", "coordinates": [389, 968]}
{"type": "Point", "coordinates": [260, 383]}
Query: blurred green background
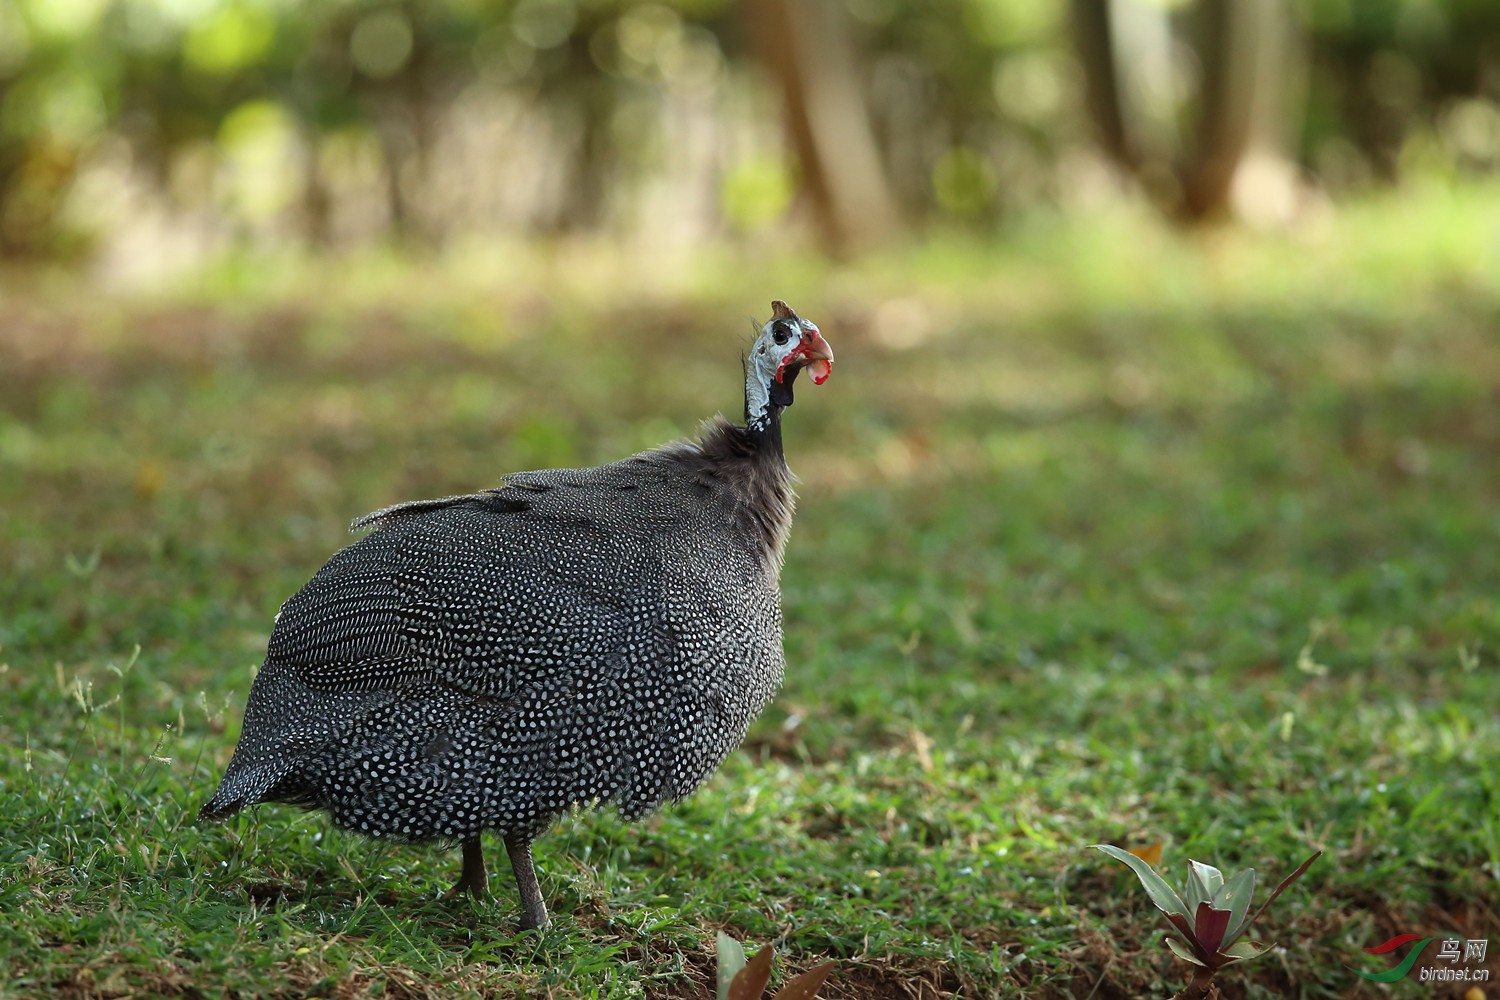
{"type": "Point", "coordinates": [145, 133]}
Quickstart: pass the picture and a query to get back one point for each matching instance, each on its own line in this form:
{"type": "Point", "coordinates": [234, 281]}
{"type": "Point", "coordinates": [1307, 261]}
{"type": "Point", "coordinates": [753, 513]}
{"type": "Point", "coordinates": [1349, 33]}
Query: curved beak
{"type": "Point", "coordinates": [818, 355]}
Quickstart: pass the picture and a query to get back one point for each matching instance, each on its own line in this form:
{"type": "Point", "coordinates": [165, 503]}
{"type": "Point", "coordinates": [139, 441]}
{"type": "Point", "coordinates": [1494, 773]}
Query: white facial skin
{"type": "Point", "coordinates": [788, 342]}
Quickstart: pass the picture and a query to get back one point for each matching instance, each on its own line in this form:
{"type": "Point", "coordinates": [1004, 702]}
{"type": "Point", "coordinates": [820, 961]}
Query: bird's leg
{"type": "Point", "coordinates": [474, 880]}
{"type": "Point", "coordinates": [533, 909]}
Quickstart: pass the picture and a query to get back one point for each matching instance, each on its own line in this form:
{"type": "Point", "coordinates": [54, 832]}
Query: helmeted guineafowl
{"type": "Point", "coordinates": [571, 637]}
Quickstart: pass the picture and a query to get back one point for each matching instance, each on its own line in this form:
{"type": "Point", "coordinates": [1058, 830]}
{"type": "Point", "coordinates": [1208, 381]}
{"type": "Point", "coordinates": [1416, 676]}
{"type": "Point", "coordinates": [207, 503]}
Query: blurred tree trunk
{"type": "Point", "coordinates": [1247, 56]}
{"type": "Point", "coordinates": [317, 202]}
{"type": "Point", "coordinates": [1093, 34]}
{"type": "Point", "coordinates": [33, 185]}
{"type": "Point", "coordinates": [406, 130]}
{"type": "Point", "coordinates": [1233, 39]}
{"type": "Point", "coordinates": [591, 168]}
{"type": "Point", "coordinates": [809, 50]}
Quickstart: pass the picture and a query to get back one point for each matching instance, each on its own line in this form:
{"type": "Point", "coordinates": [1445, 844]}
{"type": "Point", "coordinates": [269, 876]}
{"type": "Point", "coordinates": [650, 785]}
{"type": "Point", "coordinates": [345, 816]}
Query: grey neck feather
{"type": "Point", "coordinates": [757, 398]}
{"type": "Point", "coordinates": [750, 464]}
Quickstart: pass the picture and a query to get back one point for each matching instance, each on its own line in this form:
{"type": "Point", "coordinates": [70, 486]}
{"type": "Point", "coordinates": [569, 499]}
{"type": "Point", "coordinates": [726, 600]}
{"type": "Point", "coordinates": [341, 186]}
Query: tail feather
{"type": "Point", "coordinates": [241, 787]}
{"type": "Point", "coordinates": [220, 807]}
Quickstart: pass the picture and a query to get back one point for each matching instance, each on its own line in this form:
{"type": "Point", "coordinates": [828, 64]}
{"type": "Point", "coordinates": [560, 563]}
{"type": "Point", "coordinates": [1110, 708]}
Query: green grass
{"type": "Point", "coordinates": [1106, 535]}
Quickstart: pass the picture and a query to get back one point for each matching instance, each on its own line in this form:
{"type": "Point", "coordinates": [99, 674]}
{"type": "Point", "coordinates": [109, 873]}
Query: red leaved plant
{"type": "Point", "coordinates": [1210, 916]}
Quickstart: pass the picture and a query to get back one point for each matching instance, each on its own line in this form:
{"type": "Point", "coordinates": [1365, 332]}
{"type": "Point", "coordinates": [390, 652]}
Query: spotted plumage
{"type": "Point", "coordinates": [571, 637]}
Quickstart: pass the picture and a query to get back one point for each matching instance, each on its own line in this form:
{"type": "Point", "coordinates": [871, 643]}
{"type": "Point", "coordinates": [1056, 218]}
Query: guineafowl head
{"type": "Point", "coordinates": [786, 345]}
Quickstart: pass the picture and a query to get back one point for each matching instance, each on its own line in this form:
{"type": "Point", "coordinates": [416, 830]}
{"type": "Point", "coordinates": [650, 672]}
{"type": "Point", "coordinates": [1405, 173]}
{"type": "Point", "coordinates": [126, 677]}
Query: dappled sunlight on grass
{"type": "Point", "coordinates": [1104, 536]}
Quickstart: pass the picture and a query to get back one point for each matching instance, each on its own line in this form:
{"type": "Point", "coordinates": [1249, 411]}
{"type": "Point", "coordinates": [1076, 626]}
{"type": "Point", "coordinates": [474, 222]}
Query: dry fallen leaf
{"type": "Point", "coordinates": [1151, 853]}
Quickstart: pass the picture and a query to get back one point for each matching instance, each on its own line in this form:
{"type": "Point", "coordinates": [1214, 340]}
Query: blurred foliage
{"type": "Point", "coordinates": [341, 120]}
{"type": "Point", "coordinates": [1401, 80]}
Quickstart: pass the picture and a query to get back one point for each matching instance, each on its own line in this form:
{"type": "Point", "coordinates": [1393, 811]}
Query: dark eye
{"type": "Point", "coordinates": [780, 335]}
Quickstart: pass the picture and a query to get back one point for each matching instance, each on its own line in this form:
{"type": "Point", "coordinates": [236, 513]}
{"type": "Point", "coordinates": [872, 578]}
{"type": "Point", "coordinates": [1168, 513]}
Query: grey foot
{"type": "Point", "coordinates": [533, 908]}
{"type": "Point", "coordinates": [474, 880]}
